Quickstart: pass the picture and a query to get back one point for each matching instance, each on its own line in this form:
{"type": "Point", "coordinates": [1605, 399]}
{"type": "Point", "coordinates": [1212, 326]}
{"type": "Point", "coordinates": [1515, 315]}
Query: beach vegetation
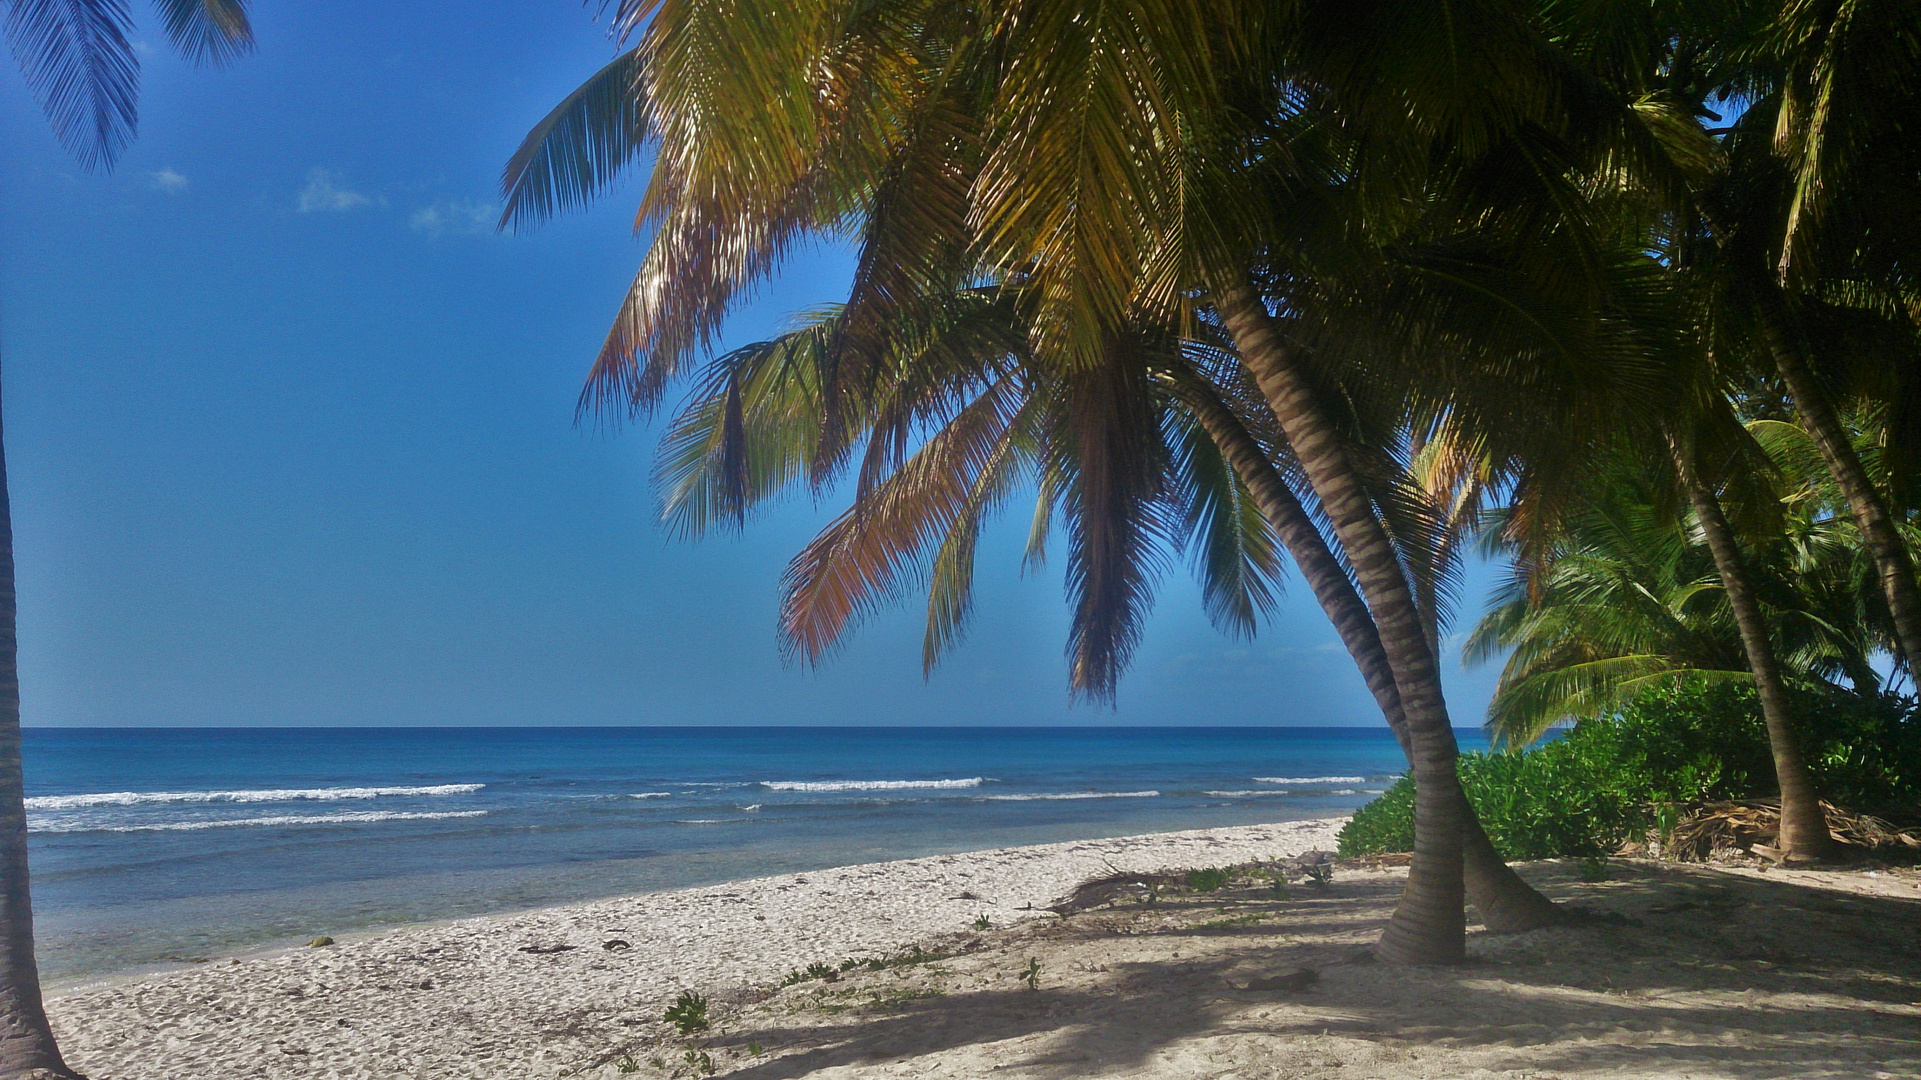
{"type": "Point", "coordinates": [1620, 777]}
{"type": "Point", "coordinates": [1031, 974]}
{"type": "Point", "coordinates": [627, 1064]}
{"type": "Point", "coordinates": [982, 922]}
{"type": "Point", "coordinates": [688, 1013]}
{"type": "Point", "coordinates": [753, 1048]}
{"type": "Point", "coordinates": [698, 1062]}
{"type": "Point", "coordinates": [1209, 880]}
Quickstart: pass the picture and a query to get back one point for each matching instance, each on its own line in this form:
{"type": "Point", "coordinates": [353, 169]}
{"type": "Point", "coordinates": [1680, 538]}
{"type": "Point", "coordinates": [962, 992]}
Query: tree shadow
{"type": "Point", "coordinates": [1682, 969]}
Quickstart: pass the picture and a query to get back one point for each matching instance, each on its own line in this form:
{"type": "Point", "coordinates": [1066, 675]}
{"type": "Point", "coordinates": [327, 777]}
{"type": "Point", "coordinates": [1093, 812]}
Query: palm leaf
{"type": "Point", "coordinates": [578, 148]}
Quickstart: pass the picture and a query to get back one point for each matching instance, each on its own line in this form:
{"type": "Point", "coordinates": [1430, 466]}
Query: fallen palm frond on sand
{"type": "Point", "coordinates": [1719, 830]}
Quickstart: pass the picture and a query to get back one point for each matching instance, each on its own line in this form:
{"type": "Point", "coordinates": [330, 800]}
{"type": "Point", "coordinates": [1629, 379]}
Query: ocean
{"type": "Point", "coordinates": [159, 847]}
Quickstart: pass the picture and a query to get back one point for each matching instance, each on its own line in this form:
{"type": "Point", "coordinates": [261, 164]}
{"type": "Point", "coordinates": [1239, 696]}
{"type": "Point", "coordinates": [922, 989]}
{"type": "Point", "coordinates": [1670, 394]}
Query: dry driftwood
{"type": "Point", "coordinates": [1313, 866]}
{"type": "Point", "coordinates": [1721, 829]}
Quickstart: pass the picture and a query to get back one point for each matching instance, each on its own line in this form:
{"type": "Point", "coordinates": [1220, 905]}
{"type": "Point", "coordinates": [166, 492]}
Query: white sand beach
{"type": "Point", "coordinates": [1684, 971]}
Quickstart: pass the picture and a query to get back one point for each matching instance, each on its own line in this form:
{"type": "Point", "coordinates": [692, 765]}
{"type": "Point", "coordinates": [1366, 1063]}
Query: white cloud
{"type": "Point", "coordinates": [459, 217]}
{"type": "Point", "coordinates": [169, 181]}
{"type": "Point", "coordinates": [325, 193]}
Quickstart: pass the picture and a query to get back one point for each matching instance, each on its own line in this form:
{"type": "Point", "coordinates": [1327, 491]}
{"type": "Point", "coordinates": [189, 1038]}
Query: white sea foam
{"type": "Point", "coordinates": [146, 798]}
{"type": "Point", "coordinates": [1310, 779]}
{"type": "Point", "coordinates": [1342, 791]}
{"type": "Point", "coordinates": [351, 817]}
{"type": "Point", "coordinates": [1244, 794]}
{"type": "Point", "coordinates": [868, 785]}
{"type": "Point", "coordinates": [1073, 795]}
{"type": "Point", "coordinates": [751, 807]}
{"type": "Point", "coordinates": [651, 795]}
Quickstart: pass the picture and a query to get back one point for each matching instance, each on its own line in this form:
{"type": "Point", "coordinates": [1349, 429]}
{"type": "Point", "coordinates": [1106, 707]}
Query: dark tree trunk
{"type": "Point", "coordinates": [1878, 532]}
{"type": "Point", "coordinates": [1507, 904]}
{"type": "Point", "coordinates": [1428, 926]}
{"type": "Point", "coordinates": [1804, 828]}
{"type": "Point", "coordinates": [27, 1048]}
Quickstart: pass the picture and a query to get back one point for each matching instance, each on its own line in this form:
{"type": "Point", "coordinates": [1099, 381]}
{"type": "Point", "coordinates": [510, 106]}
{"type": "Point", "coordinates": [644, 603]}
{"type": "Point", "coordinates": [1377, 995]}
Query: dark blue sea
{"type": "Point", "coordinates": [159, 847]}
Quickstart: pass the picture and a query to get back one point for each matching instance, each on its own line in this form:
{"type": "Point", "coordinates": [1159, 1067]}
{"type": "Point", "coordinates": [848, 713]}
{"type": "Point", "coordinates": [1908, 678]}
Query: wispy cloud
{"type": "Point", "coordinates": [459, 217]}
{"type": "Point", "coordinates": [326, 192]}
{"type": "Point", "coordinates": [169, 181]}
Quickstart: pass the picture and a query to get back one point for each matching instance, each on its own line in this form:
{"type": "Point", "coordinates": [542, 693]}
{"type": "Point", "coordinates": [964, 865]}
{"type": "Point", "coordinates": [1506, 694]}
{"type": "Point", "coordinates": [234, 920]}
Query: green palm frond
{"type": "Point", "coordinates": [579, 148]}
{"type": "Point", "coordinates": [213, 32]}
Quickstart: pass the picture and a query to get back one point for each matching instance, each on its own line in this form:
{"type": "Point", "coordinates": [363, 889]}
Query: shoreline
{"type": "Point", "coordinates": [537, 989]}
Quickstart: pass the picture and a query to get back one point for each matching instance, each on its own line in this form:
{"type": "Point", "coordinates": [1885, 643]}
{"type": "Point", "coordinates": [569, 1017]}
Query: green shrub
{"type": "Point", "coordinates": [1208, 880]}
{"type": "Point", "coordinates": [1608, 780]}
{"type": "Point", "coordinates": [688, 1013]}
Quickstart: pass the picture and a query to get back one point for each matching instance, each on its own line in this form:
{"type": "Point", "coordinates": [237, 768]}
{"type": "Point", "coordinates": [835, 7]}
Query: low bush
{"type": "Point", "coordinates": [1609, 780]}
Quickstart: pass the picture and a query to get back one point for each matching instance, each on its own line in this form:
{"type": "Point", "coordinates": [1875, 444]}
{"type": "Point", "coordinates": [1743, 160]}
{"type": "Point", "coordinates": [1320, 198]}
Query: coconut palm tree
{"type": "Point", "coordinates": [1108, 162]}
{"type": "Point", "coordinates": [81, 66]}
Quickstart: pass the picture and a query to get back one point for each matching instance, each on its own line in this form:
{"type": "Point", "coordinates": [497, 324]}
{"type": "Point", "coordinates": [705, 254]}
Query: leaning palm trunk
{"type": "Point", "coordinates": [1878, 533]}
{"type": "Point", "coordinates": [1429, 925]}
{"type": "Point", "coordinates": [1804, 828]}
{"type": "Point", "coordinates": [27, 1047]}
{"type": "Point", "coordinates": [1507, 904]}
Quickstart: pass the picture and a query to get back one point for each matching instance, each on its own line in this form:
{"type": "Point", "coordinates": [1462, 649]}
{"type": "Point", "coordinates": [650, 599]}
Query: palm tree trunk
{"type": "Point", "coordinates": [1804, 828]}
{"type": "Point", "coordinates": [1507, 904]}
{"type": "Point", "coordinates": [1428, 926]}
{"type": "Point", "coordinates": [27, 1047]}
{"type": "Point", "coordinates": [1878, 532]}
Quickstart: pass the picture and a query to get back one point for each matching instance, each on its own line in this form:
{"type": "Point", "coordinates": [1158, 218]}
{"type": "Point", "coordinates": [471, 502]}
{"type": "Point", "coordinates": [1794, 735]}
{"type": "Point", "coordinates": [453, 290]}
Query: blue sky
{"type": "Point", "coordinates": [291, 434]}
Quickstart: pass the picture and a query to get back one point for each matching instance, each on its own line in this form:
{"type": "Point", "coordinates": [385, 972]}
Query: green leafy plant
{"type": "Point", "coordinates": [698, 1062]}
{"type": "Point", "coordinates": [1031, 974]}
{"type": "Point", "coordinates": [753, 1048]}
{"type": "Point", "coordinates": [983, 923]}
{"type": "Point", "coordinates": [688, 1013]}
{"type": "Point", "coordinates": [627, 1064]}
{"type": "Point", "coordinates": [1611, 779]}
{"type": "Point", "coordinates": [1209, 880]}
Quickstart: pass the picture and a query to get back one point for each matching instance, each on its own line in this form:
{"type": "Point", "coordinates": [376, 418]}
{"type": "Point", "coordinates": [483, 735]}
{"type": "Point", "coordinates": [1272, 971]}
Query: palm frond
{"type": "Point", "coordinates": [82, 69]}
{"type": "Point", "coordinates": [213, 32]}
{"type": "Point", "coordinates": [579, 147]}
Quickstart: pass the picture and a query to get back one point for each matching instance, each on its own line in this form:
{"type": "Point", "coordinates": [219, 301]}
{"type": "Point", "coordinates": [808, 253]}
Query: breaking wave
{"type": "Point", "coordinates": [1310, 779]}
{"type": "Point", "coordinates": [352, 817]}
{"type": "Point", "coordinates": [868, 785]}
{"type": "Point", "coordinates": [149, 798]}
{"type": "Point", "coordinates": [1073, 795]}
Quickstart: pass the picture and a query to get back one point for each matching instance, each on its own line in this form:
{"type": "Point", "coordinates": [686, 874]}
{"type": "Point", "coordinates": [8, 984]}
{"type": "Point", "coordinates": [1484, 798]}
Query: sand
{"type": "Point", "coordinates": [1683, 971]}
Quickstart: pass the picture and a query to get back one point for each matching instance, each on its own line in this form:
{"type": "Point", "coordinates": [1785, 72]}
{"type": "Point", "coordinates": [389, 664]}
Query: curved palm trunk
{"type": "Point", "coordinates": [1507, 904]}
{"type": "Point", "coordinates": [1878, 533]}
{"type": "Point", "coordinates": [1429, 925]}
{"type": "Point", "coordinates": [27, 1047]}
{"type": "Point", "coordinates": [1804, 828]}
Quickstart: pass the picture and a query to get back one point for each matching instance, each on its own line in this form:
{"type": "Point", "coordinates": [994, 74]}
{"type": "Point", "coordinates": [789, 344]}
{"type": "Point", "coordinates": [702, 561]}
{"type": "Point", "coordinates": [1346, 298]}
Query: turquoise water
{"type": "Point", "coordinates": [158, 847]}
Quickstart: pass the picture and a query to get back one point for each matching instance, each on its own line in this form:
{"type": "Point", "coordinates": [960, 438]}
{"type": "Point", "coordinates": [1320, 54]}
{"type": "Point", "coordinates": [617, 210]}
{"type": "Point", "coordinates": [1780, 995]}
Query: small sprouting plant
{"type": "Point", "coordinates": [657, 1062]}
{"type": "Point", "coordinates": [627, 1064]}
{"type": "Point", "coordinates": [1031, 974]}
{"type": "Point", "coordinates": [1595, 868]}
{"type": "Point", "coordinates": [849, 964]}
{"type": "Point", "coordinates": [983, 923]}
{"type": "Point", "coordinates": [818, 970]}
{"type": "Point", "coordinates": [1209, 879]}
{"type": "Point", "coordinates": [875, 963]}
{"type": "Point", "coordinates": [754, 1048]}
{"type": "Point", "coordinates": [698, 1062]}
{"type": "Point", "coordinates": [688, 1013]}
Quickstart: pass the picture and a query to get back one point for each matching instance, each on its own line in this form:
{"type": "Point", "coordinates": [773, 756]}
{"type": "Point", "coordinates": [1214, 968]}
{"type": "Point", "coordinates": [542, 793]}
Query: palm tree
{"type": "Point", "coordinates": [1121, 169]}
{"type": "Point", "coordinates": [1630, 594]}
{"type": "Point", "coordinates": [1815, 210]}
{"type": "Point", "coordinates": [748, 430]}
{"type": "Point", "coordinates": [82, 68]}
